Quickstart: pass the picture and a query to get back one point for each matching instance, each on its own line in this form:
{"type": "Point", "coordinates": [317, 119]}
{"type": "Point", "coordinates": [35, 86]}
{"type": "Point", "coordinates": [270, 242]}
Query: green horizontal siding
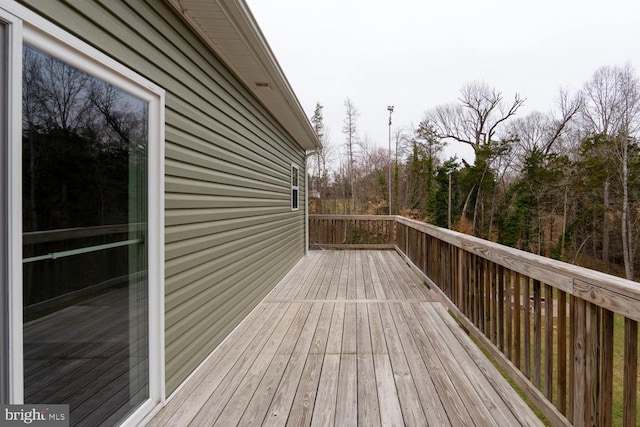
{"type": "Point", "coordinates": [230, 232]}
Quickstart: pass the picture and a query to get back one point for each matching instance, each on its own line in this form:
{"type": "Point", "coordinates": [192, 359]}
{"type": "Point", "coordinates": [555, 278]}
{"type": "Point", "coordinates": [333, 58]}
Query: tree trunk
{"type": "Point", "coordinates": [628, 266]}
{"type": "Point", "coordinates": [564, 224]}
{"type": "Point", "coordinates": [463, 215]}
{"type": "Point", "coordinates": [605, 226]}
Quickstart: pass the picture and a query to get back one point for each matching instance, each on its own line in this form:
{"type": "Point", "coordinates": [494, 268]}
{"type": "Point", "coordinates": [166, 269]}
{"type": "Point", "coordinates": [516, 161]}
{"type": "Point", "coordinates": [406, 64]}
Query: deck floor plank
{"type": "Point", "coordinates": [324, 410]}
{"type": "Point", "coordinates": [195, 392]}
{"type": "Point", "coordinates": [428, 394]}
{"type": "Point", "coordinates": [278, 411]}
{"type": "Point", "coordinates": [451, 400]}
{"type": "Point", "coordinates": [291, 282]}
{"type": "Point", "coordinates": [350, 330]}
{"type": "Point", "coordinates": [245, 374]}
{"type": "Point", "coordinates": [488, 396]}
{"type": "Point", "coordinates": [285, 369]}
{"type": "Point", "coordinates": [347, 338]}
{"type": "Point", "coordinates": [378, 342]}
{"type": "Point", "coordinates": [352, 285]}
{"type": "Point", "coordinates": [361, 284]}
{"type": "Point", "coordinates": [408, 397]}
{"type": "Point", "coordinates": [305, 398]}
{"type": "Point", "coordinates": [347, 396]}
{"type": "Point", "coordinates": [343, 279]}
{"type": "Point", "coordinates": [320, 292]}
{"type": "Point", "coordinates": [376, 280]}
{"type": "Point", "coordinates": [268, 367]}
{"type": "Point", "coordinates": [332, 289]}
{"type": "Point", "coordinates": [368, 405]}
{"type": "Point", "coordinates": [334, 343]}
{"type": "Point", "coordinates": [459, 372]}
{"type": "Point", "coordinates": [390, 412]}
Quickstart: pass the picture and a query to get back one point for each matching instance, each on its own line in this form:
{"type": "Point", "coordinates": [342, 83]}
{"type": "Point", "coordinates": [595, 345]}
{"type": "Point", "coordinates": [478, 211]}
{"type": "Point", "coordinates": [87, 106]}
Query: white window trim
{"type": "Point", "coordinates": [26, 26]}
{"type": "Point", "coordinates": [295, 187]}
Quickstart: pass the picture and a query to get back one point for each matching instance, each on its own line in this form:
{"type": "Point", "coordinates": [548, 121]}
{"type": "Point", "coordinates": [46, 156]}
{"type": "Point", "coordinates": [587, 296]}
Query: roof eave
{"type": "Point", "coordinates": [240, 44]}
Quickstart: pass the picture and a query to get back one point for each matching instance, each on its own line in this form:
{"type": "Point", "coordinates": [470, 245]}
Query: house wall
{"type": "Point", "coordinates": [230, 232]}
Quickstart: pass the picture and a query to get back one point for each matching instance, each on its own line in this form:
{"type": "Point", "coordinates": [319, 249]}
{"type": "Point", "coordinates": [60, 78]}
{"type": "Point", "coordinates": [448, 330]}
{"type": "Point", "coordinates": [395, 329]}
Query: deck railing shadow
{"type": "Point", "coordinates": [566, 335]}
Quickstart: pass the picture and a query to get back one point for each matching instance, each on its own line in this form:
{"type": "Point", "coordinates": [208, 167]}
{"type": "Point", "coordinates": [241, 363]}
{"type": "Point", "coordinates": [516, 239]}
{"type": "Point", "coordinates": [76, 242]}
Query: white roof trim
{"type": "Point", "coordinates": [230, 30]}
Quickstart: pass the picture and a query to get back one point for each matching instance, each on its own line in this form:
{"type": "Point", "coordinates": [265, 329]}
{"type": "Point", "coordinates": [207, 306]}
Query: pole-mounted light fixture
{"type": "Point", "coordinates": [390, 108]}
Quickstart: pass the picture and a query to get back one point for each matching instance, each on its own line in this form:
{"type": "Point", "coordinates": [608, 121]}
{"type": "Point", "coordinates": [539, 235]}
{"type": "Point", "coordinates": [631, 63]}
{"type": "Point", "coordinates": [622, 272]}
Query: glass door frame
{"type": "Point", "coordinates": [25, 26]}
{"type": "Point", "coordinates": [4, 246]}
{"type": "Point", "coordinates": [11, 205]}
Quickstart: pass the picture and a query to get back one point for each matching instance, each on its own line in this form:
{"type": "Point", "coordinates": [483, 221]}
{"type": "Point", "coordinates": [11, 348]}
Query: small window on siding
{"type": "Point", "coordinates": [295, 188]}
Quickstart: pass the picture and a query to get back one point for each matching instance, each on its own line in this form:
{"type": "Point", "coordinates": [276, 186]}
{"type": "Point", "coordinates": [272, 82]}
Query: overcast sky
{"type": "Point", "coordinates": [416, 54]}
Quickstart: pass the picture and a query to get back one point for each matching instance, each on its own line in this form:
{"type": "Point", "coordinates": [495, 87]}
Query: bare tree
{"type": "Point", "coordinates": [629, 107]}
{"type": "Point", "coordinates": [350, 131]}
{"type": "Point", "coordinates": [542, 131]}
{"type": "Point", "coordinates": [478, 116]}
{"type": "Point", "coordinates": [570, 106]}
{"type": "Point", "coordinates": [602, 96]}
{"type": "Point", "coordinates": [318, 163]}
{"type": "Point", "coordinates": [612, 110]}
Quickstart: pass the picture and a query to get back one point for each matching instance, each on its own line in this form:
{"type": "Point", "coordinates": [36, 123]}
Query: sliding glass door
{"type": "Point", "coordinates": [85, 245]}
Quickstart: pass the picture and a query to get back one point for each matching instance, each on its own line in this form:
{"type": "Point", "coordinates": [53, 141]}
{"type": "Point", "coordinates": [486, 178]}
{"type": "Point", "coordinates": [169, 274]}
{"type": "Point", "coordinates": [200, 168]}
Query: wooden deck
{"type": "Point", "coordinates": [347, 338]}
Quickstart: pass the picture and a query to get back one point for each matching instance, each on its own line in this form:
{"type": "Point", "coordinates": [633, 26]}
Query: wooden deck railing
{"type": "Point", "coordinates": [566, 335]}
{"type": "Point", "coordinates": [353, 231]}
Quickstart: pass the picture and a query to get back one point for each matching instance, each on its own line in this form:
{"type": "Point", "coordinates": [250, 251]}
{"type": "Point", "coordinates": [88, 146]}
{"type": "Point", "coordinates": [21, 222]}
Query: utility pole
{"type": "Point", "coordinates": [449, 204]}
{"type": "Point", "coordinates": [390, 108]}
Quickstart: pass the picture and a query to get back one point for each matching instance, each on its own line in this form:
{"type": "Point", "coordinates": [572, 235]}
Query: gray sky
{"type": "Point", "coordinates": [417, 54]}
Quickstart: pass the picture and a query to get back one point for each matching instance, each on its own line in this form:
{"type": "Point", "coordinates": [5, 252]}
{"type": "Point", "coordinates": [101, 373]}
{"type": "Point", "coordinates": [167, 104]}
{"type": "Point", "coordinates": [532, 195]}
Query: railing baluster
{"type": "Point", "coordinates": [473, 287]}
{"type": "Point", "coordinates": [572, 355]}
{"type": "Point", "coordinates": [630, 373]}
{"type": "Point", "coordinates": [501, 304]}
{"type": "Point", "coordinates": [606, 376]}
{"type": "Point", "coordinates": [486, 297]}
{"type": "Point", "coordinates": [579, 362]}
{"type": "Point", "coordinates": [548, 347]}
{"type": "Point", "coordinates": [562, 350]}
{"type": "Point", "coordinates": [527, 327]}
{"type": "Point", "coordinates": [592, 342]}
{"type": "Point", "coordinates": [493, 314]}
{"type": "Point", "coordinates": [517, 287]}
{"type": "Point", "coordinates": [537, 333]}
{"type": "Point", "coordinates": [479, 290]}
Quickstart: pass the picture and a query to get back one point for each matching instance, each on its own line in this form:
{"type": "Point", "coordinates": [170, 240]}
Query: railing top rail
{"type": "Point", "coordinates": [362, 217]}
{"type": "Point", "coordinates": [615, 293]}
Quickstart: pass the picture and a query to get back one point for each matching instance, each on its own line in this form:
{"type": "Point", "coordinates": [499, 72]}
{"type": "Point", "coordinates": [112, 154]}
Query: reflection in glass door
{"type": "Point", "coordinates": [85, 287]}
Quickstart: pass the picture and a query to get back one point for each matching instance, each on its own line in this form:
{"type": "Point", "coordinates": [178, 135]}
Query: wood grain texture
{"type": "Point", "coordinates": [372, 357]}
